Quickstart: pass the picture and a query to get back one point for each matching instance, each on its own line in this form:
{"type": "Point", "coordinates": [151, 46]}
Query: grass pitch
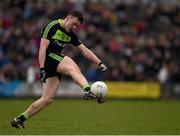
{"type": "Point", "coordinates": [80, 117]}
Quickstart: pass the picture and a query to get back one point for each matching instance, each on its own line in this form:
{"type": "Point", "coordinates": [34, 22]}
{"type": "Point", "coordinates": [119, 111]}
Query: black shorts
{"type": "Point", "coordinates": [51, 63]}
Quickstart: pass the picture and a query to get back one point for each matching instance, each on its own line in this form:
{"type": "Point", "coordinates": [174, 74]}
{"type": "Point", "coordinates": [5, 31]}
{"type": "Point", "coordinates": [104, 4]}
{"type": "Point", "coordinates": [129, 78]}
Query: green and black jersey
{"type": "Point", "coordinates": [58, 37]}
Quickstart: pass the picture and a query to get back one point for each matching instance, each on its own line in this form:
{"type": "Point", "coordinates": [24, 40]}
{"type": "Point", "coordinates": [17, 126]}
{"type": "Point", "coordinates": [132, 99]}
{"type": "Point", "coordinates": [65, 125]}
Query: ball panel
{"type": "Point", "coordinates": [99, 88]}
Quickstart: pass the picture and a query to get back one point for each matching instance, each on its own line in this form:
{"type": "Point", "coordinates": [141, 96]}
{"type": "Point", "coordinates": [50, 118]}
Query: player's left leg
{"type": "Point", "coordinates": [69, 67]}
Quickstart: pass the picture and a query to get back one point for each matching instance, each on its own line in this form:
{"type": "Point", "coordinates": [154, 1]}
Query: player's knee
{"type": "Point", "coordinates": [72, 71]}
{"type": "Point", "coordinates": [42, 103]}
{"type": "Point", "coordinates": [47, 101]}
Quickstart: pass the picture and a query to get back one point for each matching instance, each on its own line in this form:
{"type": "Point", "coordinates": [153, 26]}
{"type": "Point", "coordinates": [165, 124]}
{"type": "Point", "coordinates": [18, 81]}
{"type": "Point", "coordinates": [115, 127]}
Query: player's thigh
{"type": "Point", "coordinates": [50, 87]}
{"type": "Point", "coordinates": [66, 65]}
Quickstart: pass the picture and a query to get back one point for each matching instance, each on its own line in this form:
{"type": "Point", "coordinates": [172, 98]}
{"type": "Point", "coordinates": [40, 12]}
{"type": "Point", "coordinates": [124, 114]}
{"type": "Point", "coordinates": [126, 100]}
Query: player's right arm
{"type": "Point", "coordinates": [45, 41]}
{"type": "Point", "coordinates": [47, 33]}
{"type": "Point", "coordinates": [42, 56]}
{"type": "Point", "coordinates": [42, 51]}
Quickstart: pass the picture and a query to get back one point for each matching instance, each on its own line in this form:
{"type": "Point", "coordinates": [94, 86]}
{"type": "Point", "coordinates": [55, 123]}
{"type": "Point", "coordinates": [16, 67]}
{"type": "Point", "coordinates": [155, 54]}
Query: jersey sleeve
{"type": "Point", "coordinates": [75, 40]}
{"type": "Point", "coordinates": [48, 32]}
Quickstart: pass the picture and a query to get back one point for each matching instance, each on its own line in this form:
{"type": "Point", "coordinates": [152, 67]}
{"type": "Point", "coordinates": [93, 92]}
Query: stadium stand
{"type": "Point", "coordinates": [135, 38]}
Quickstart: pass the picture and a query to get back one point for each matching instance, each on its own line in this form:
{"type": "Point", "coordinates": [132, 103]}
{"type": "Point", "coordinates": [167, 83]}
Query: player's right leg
{"type": "Point", "coordinates": [48, 94]}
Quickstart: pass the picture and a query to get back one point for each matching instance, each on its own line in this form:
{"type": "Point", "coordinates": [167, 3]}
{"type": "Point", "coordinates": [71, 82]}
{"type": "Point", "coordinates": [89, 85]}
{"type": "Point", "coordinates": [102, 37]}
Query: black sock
{"type": "Point", "coordinates": [22, 118]}
{"type": "Point", "coordinates": [87, 88]}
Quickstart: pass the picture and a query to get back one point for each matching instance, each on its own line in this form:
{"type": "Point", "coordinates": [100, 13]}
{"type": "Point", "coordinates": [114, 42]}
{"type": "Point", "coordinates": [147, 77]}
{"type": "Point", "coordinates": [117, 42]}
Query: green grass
{"type": "Point", "coordinates": [78, 117]}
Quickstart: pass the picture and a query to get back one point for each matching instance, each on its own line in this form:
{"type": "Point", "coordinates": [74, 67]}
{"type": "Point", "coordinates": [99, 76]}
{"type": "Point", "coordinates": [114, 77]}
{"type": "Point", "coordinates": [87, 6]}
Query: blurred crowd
{"type": "Point", "coordinates": [139, 40]}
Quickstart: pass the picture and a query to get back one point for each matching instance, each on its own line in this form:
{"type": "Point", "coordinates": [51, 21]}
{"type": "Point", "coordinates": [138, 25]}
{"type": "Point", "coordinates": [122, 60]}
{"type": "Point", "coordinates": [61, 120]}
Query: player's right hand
{"type": "Point", "coordinates": [42, 75]}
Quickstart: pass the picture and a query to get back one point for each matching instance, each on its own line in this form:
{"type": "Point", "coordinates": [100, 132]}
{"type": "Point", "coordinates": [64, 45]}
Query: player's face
{"type": "Point", "coordinates": [72, 23]}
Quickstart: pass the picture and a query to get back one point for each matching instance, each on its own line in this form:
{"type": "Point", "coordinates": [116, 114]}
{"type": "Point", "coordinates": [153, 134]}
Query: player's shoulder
{"type": "Point", "coordinates": [50, 28]}
{"type": "Point", "coordinates": [72, 33]}
{"type": "Point", "coordinates": [52, 23]}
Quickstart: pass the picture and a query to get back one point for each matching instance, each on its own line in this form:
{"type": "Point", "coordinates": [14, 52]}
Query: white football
{"type": "Point", "coordinates": [99, 88]}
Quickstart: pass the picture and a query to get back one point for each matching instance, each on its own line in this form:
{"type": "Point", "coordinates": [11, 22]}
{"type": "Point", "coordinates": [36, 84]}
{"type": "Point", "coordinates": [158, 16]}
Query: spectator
{"type": "Point", "coordinates": [134, 37]}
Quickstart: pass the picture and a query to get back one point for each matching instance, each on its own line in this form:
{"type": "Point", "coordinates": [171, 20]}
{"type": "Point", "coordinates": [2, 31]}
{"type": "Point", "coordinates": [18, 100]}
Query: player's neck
{"type": "Point", "coordinates": [62, 23]}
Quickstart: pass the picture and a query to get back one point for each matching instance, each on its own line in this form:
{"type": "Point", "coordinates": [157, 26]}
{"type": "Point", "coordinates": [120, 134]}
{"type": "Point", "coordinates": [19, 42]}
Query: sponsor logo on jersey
{"type": "Point", "coordinates": [59, 44]}
{"type": "Point", "coordinates": [59, 35]}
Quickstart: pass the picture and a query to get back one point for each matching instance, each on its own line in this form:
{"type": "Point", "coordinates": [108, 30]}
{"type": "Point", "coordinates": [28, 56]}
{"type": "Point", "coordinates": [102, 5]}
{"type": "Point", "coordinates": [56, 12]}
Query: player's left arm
{"type": "Point", "coordinates": [91, 56]}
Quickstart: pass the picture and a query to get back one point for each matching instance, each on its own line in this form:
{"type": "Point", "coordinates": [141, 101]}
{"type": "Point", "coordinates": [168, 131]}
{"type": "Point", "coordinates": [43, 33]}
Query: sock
{"type": "Point", "coordinates": [87, 88]}
{"type": "Point", "coordinates": [23, 116]}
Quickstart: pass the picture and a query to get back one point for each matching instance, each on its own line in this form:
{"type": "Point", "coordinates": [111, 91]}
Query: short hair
{"type": "Point", "coordinates": [77, 14]}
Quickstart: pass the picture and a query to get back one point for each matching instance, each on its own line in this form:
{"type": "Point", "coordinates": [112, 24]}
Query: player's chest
{"type": "Point", "coordinates": [61, 36]}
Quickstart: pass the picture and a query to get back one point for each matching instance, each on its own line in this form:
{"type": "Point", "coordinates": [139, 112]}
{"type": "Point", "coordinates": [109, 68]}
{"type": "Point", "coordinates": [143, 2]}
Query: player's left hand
{"type": "Point", "coordinates": [102, 67]}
